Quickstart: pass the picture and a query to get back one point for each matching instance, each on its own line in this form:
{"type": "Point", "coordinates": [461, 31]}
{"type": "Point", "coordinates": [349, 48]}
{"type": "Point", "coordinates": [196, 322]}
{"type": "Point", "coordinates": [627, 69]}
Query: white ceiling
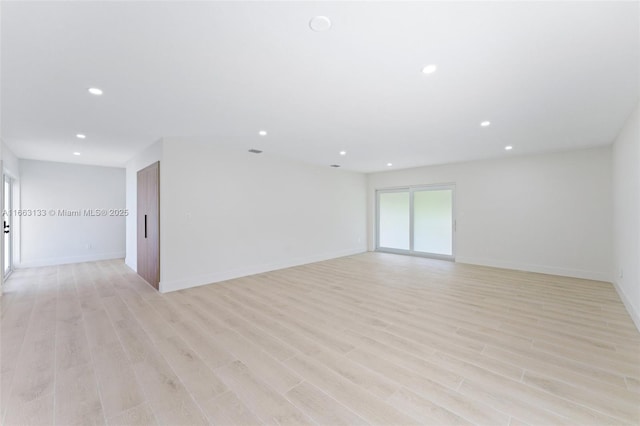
{"type": "Point", "coordinates": [548, 75]}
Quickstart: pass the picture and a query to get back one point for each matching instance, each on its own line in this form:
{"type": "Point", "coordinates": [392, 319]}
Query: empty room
{"type": "Point", "coordinates": [320, 213]}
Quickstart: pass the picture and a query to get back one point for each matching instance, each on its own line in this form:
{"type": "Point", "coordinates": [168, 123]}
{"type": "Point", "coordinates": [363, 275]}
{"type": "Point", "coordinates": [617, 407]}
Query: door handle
{"type": "Point", "coordinates": [6, 227]}
{"type": "Point", "coordinates": [145, 226]}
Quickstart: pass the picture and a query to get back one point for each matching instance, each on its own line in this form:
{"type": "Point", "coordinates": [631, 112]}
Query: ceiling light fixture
{"type": "Point", "coordinates": [485, 124]}
{"type": "Point", "coordinates": [343, 152]}
{"type": "Point", "coordinates": [508, 148]}
{"type": "Point", "coordinates": [81, 136]}
{"type": "Point", "coordinates": [320, 23]}
{"type": "Point", "coordinates": [429, 69]}
{"type": "Point", "coordinates": [95, 91]}
{"type": "Point", "coordinates": [262, 133]}
{"type": "Point", "coordinates": [389, 164]}
{"type": "Point", "coordinates": [76, 153]}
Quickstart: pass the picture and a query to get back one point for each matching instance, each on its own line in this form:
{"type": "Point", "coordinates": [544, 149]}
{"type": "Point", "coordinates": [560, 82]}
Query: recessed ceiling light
{"type": "Point", "coordinates": [389, 164]}
{"type": "Point", "coordinates": [335, 165]}
{"type": "Point", "coordinates": [508, 147]}
{"type": "Point", "coordinates": [76, 153]}
{"type": "Point", "coordinates": [262, 133]}
{"type": "Point", "coordinates": [81, 136]}
{"type": "Point", "coordinates": [485, 124]}
{"type": "Point", "coordinates": [429, 69]}
{"type": "Point", "coordinates": [343, 152]}
{"type": "Point", "coordinates": [95, 91]}
{"type": "Point", "coordinates": [320, 23]}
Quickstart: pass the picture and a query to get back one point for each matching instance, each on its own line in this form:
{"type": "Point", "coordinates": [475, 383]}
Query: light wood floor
{"type": "Point", "coordinates": [369, 339]}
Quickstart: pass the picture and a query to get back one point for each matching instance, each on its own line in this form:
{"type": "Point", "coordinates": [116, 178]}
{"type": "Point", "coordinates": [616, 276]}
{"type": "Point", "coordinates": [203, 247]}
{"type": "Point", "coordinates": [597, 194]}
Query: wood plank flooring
{"type": "Point", "coordinates": [375, 339]}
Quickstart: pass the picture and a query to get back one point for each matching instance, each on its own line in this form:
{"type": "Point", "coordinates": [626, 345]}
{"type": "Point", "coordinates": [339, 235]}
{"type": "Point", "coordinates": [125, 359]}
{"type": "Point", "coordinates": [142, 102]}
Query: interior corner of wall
{"type": "Point", "coordinates": [634, 312]}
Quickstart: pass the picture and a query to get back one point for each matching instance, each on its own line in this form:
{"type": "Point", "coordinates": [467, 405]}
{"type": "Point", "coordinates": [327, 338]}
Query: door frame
{"type": "Point", "coordinates": [411, 190]}
{"type": "Point", "coordinates": [8, 218]}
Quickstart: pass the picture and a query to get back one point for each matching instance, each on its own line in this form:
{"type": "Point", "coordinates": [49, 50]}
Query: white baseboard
{"type": "Point", "coordinates": [551, 270]}
{"type": "Point", "coordinates": [73, 259]}
{"type": "Point", "coordinates": [633, 312]}
{"type": "Point", "coordinates": [198, 280]}
{"type": "Point", "coordinates": [130, 264]}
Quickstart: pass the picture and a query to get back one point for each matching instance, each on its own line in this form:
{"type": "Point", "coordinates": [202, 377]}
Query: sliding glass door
{"type": "Point", "coordinates": [416, 220]}
{"type": "Point", "coordinates": [394, 220]}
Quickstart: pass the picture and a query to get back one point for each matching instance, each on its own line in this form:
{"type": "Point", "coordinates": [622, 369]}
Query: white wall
{"type": "Point", "coordinates": [10, 163]}
{"type": "Point", "coordinates": [149, 156]}
{"type": "Point", "coordinates": [231, 214]}
{"type": "Point", "coordinates": [545, 213]}
{"type": "Point", "coordinates": [55, 239]}
{"type": "Point", "coordinates": [626, 207]}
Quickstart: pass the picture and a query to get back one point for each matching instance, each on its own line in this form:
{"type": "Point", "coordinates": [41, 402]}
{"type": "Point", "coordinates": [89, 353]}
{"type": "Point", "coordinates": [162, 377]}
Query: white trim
{"type": "Point", "coordinates": [74, 259]}
{"type": "Point", "coordinates": [633, 313]}
{"type": "Point", "coordinates": [198, 280]}
{"type": "Point", "coordinates": [10, 223]}
{"type": "Point", "coordinates": [542, 269]}
{"type": "Point", "coordinates": [417, 254]}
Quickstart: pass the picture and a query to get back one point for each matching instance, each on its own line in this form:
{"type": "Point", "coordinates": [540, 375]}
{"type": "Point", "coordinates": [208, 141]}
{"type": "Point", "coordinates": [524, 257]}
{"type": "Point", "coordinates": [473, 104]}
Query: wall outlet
{"type": "Point", "coordinates": [88, 246]}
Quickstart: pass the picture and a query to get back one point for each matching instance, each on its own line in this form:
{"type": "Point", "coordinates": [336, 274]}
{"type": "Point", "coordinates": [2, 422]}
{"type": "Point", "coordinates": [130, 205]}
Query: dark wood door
{"type": "Point", "coordinates": [148, 222]}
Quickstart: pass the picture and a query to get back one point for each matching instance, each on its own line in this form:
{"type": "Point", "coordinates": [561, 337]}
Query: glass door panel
{"type": "Point", "coordinates": [433, 221]}
{"type": "Point", "coordinates": [394, 220]}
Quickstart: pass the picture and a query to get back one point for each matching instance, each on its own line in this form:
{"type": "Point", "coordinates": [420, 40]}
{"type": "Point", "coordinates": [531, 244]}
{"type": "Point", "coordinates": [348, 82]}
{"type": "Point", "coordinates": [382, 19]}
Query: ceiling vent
{"type": "Point", "coordinates": [255, 151]}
